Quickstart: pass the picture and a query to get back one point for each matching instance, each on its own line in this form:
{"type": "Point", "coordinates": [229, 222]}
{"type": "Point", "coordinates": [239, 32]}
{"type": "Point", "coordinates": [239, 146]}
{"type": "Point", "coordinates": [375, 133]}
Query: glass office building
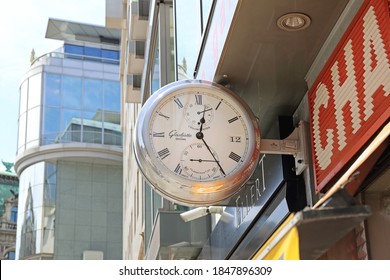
{"type": "Point", "coordinates": [69, 151]}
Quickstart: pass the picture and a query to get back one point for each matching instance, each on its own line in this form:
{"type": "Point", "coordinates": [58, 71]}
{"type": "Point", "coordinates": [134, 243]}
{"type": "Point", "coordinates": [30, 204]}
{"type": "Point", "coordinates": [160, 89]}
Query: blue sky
{"type": "Point", "coordinates": [23, 27]}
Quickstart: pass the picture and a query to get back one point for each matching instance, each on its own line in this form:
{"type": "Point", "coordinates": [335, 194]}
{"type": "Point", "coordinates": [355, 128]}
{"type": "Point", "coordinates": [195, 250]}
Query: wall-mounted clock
{"type": "Point", "coordinates": [196, 142]}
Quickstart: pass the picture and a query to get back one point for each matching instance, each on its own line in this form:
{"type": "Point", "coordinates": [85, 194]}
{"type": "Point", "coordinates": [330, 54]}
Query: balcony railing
{"type": "Point", "coordinates": [75, 136]}
{"type": "Point", "coordinates": [7, 225]}
{"type": "Point", "coordinates": [69, 136]}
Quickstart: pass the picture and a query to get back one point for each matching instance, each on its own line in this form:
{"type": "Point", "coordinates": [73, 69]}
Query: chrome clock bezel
{"type": "Point", "coordinates": [175, 187]}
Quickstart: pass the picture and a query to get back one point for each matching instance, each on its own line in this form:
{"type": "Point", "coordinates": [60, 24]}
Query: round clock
{"type": "Point", "coordinates": [196, 142]}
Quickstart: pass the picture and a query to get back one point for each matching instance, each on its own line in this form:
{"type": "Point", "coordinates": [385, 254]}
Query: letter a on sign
{"type": "Point", "coordinates": [350, 100]}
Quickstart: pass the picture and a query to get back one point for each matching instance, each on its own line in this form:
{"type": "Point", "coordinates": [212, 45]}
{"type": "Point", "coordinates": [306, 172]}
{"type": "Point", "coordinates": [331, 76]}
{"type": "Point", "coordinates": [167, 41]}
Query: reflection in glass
{"type": "Point", "coordinates": [50, 184]}
{"type": "Point", "coordinates": [28, 233]}
{"type": "Point", "coordinates": [82, 112]}
{"type": "Point", "coordinates": [36, 216]}
{"type": "Point", "coordinates": [156, 71]}
{"type": "Point", "coordinates": [93, 97]}
{"type": "Point", "coordinates": [112, 133]}
{"type": "Point", "coordinates": [71, 92]}
{"type": "Point", "coordinates": [74, 111]}
{"type": "Point", "coordinates": [33, 121]}
{"type": "Point", "coordinates": [206, 8]}
{"type": "Point", "coordinates": [49, 197]}
{"type": "Point", "coordinates": [70, 126]}
{"type": "Point", "coordinates": [51, 125]}
{"type": "Point", "coordinates": [188, 36]}
{"type": "Point", "coordinates": [112, 96]}
{"type": "Point", "coordinates": [52, 90]}
{"type": "Point", "coordinates": [148, 213]}
{"type": "Point", "coordinates": [48, 236]}
{"type": "Point", "coordinates": [37, 194]}
{"type": "Point", "coordinates": [92, 127]}
{"type": "Point", "coordinates": [172, 45]}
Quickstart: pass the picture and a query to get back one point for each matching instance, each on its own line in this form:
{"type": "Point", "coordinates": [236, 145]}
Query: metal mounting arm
{"type": "Point", "coordinates": [294, 144]}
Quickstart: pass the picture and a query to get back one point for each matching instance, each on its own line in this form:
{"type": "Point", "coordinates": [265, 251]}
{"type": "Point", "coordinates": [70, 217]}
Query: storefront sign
{"type": "Point", "coordinates": [350, 99]}
{"type": "Point", "coordinates": [243, 208]}
{"type": "Point", "coordinates": [246, 200]}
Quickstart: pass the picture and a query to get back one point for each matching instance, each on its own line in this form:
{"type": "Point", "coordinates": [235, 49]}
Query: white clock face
{"type": "Point", "coordinates": [198, 140]}
{"type": "Point", "coordinates": [199, 135]}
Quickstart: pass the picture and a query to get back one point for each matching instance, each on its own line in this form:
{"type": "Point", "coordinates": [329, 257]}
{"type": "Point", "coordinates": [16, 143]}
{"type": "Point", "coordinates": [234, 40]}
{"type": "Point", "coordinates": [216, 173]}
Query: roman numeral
{"type": "Point", "coordinates": [234, 157]}
{"type": "Point", "coordinates": [198, 99]}
{"type": "Point", "coordinates": [158, 134]}
{"type": "Point", "coordinates": [178, 102]}
{"type": "Point", "coordinates": [233, 119]}
{"type": "Point", "coordinates": [216, 108]}
{"type": "Point", "coordinates": [164, 153]}
{"type": "Point", "coordinates": [178, 169]}
{"type": "Point", "coordinates": [162, 115]}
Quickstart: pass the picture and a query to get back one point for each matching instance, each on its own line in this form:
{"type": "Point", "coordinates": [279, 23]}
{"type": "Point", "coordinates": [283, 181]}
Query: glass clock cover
{"type": "Point", "coordinates": [196, 142]}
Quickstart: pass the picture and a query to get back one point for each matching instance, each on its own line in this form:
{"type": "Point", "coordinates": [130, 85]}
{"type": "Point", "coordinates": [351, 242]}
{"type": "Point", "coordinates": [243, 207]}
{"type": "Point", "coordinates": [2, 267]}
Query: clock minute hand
{"type": "Point", "coordinates": [208, 148]}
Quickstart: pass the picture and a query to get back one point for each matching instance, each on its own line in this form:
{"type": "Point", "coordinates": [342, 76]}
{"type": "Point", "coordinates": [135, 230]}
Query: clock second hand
{"type": "Point", "coordinates": [203, 160]}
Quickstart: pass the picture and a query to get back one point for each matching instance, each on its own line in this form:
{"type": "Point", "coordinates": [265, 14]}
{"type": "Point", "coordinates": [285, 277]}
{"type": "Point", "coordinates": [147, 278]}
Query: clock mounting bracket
{"type": "Point", "coordinates": [295, 144]}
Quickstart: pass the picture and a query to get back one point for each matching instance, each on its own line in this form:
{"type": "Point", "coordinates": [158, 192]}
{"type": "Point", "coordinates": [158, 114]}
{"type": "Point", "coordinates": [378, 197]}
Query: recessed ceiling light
{"type": "Point", "coordinates": [294, 22]}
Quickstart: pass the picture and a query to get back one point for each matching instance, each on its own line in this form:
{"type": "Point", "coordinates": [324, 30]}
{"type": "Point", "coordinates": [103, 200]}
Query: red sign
{"type": "Point", "coordinates": [350, 100]}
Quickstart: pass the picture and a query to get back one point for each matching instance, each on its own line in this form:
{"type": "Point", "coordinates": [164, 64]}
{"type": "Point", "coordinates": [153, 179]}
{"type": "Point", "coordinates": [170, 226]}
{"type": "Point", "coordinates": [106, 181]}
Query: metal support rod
{"type": "Point", "coordinates": [294, 144]}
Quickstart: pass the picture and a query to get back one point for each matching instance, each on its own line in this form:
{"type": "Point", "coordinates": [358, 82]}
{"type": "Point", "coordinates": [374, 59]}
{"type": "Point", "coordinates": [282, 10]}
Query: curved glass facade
{"type": "Point", "coordinates": [73, 109]}
{"type": "Point", "coordinates": [69, 205]}
{"type": "Point", "coordinates": [36, 217]}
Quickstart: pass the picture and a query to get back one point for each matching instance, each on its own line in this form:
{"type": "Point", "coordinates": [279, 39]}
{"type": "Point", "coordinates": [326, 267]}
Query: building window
{"type": "Point", "coordinates": [10, 256]}
{"type": "Point", "coordinates": [73, 49]}
{"type": "Point", "coordinates": [71, 92]}
{"type": "Point", "coordinates": [14, 214]}
{"type": "Point", "coordinates": [95, 52]}
{"type": "Point", "coordinates": [110, 54]}
{"type": "Point", "coordinates": [81, 110]}
{"type": "Point", "coordinates": [91, 53]}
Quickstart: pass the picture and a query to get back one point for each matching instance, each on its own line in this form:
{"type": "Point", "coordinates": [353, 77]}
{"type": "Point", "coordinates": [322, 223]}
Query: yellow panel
{"type": "Point", "coordinates": [287, 247]}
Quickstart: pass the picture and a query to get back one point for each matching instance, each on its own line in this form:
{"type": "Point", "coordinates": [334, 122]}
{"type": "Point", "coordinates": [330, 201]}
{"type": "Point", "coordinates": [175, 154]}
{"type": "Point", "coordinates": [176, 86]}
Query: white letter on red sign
{"type": "Point", "coordinates": [345, 93]}
{"type": "Point", "coordinates": [379, 76]}
{"type": "Point", "coordinates": [323, 155]}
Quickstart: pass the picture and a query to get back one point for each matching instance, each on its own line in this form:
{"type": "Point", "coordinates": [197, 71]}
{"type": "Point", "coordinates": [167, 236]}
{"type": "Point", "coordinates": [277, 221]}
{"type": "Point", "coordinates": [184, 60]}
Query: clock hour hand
{"type": "Point", "coordinates": [202, 120]}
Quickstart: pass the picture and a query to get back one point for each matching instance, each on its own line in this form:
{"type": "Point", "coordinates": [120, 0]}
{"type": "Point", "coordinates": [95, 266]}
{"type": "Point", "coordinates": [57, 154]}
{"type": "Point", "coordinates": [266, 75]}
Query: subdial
{"type": "Point", "coordinates": [197, 163]}
{"type": "Point", "coordinates": [194, 112]}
